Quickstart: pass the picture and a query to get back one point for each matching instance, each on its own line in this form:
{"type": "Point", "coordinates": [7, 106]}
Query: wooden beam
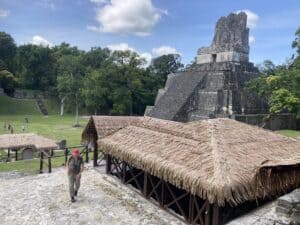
{"type": "Point", "coordinates": [66, 152]}
{"type": "Point", "coordinates": [145, 184]}
{"type": "Point", "coordinates": [216, 215]}
{"type": "Point", "coordinates": [175, 199]}
{"type": "Point", "coordinates": [8, 154]}
{"type": "Point", "coordinates": [49, 164]}
{"type": "Point", "coordinates": [207, 214]}
{"type": "Point", "coordinates": [16, 154]}
{"type": "Point", "coordinates": [162, 193]}
{"type": "Point", "coordinates": [95, 153]}
{"type": "Point", "coordinates": [108, 164]}
{"type": "Point", "coordinates": [41, 161]}
{"type": "Point", "coordinates": [154, 187]}
{"type": "Point", "coordinates": [191, 208]}
{"type": "Point", "coordinates": [123, 174]}
{"type": "Point", "coordinates": [86, 154]}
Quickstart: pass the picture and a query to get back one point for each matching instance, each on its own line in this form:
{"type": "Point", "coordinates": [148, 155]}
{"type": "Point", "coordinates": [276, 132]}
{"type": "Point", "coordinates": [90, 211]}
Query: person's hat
{"type": "Point", "coordinates": [75, 151]}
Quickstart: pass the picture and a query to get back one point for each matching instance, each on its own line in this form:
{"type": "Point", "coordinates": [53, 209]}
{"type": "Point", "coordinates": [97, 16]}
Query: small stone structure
{"type": "Point", "coordinates": [23, 94]}
{"type": "Point", "coordinates": [28, 153]}
{"type": "Point", "coordinates": [215, 85]}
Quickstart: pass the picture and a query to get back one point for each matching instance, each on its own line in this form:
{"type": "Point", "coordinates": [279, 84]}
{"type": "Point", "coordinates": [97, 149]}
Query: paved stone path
{"type": "Point", "coordinates": [43, 199]}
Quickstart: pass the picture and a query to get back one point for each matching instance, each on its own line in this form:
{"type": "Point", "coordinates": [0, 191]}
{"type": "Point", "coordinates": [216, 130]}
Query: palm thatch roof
{"type": "Point", "coordinates": [26, 140]}
{"type": "Point", "coordinates": [101, 126]}
{"type": "Point", "coordinates": [221, 160]}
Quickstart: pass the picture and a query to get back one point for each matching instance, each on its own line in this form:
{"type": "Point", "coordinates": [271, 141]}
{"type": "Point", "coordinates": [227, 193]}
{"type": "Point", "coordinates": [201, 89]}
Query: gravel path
{"type": "Point", "coordinates": [43, 199]}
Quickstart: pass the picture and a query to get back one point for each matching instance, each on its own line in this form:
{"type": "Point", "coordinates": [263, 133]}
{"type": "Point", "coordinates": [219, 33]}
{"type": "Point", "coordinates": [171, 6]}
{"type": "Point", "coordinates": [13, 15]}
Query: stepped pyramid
{"type": "Point", "coordinates": [214, 86]}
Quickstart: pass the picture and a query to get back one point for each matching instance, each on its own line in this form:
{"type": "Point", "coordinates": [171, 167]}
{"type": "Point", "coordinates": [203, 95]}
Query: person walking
{"type": "Point", "coordinates": [75, 167]}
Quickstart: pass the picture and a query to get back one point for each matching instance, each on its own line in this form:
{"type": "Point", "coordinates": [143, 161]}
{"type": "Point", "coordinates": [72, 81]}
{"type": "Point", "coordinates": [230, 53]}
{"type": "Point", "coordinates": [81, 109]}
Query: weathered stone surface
{"type": "Point", "coordinates": [289, 206]}
{"type": "Point", "coordinates": [102, 200]}
{"type": "Point", "coordinates": [230, 43]}
{"type": "Point", "coordinates": [213, 88]}
{"type": "Point", "coordinates": [264, 215]}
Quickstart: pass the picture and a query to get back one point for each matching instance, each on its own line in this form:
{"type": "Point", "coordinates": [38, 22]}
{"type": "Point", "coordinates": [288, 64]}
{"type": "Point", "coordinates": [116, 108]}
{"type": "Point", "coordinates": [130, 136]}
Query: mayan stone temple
{"type": "Point", "coordinates": [214, 86]}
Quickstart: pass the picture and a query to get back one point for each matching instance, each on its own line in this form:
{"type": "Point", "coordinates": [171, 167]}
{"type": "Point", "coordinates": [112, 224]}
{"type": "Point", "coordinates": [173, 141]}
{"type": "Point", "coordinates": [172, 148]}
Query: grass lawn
{"type": "Point", "coordinates": [14, 106]}
{"type": "Point", "coordinates": [289, 133]}
{"type": "Point", "coordinates": [52, 126]}
{"type": "Point", "coordinates": [55, 127]}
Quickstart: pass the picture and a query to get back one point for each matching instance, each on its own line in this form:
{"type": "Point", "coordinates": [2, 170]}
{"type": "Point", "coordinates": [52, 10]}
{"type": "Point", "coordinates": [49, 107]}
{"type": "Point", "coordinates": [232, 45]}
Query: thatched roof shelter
{"type": "Point", "coordinates": [16, 141]}
{"type": "Point", "coordinates": [101, 126]}
{"type": "Point", "coordinates": [220, 160]}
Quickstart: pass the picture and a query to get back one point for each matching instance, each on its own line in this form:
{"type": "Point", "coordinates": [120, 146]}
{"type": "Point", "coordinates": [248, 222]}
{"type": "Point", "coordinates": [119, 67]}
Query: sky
{"type": "Point", "coordinates": [150, 27]}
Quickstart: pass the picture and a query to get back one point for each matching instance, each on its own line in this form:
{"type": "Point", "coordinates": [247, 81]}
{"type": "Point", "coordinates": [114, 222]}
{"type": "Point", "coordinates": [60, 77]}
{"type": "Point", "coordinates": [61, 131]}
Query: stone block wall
{"type": "Point", "coordinates": [272, 122]}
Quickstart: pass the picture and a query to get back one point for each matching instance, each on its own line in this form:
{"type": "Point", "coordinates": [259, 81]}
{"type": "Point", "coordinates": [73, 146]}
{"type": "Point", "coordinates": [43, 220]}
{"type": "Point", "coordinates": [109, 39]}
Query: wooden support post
{"type": "Point", "coordinates": [207, 213]}
{"type": "Point", "coordinates": [66, 155]}
{"type": "Point", "coordinates": [49, 164]}
{"type": "Point", "coordinates": [86, 154]}
{"type": "Point", "coordinates": [191, 208]}
{"type": "Point", "coordinates": [16, 155]}
{"type": "Point", "coordinates": [95, 154]}
{"type": "Point", "coordinates": [123, 173]}
{"type": "Point", "coordinates": [145, 191]}
{"type": "Point", "coordinates": [41, 162]}
{"type": "Point", "coordinates": [216, 218]}
{"type": "Point", "coordinates": [8, 155]}
{"type": "Point", "coordinates": [162, 202]}
{"type": "Point", "coordinates": [108, 164]}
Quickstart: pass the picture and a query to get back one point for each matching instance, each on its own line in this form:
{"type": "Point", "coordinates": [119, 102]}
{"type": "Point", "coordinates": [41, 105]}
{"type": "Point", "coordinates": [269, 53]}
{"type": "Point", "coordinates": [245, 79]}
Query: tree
{"type": "Point", "coordinates": [122, 86]}
{"type": "Point", "coordinates": [96, 58]}
{"type": "Point", "coordinates": [7, 81]}
{"type": "Point", "coordinates": [296, 42]}
{"type": "Point", "coordinates": [7, 51]}
{"type": "Point", "coordinates": [125, 81]}
{"type": "Point", "coordinates": [267, 67]}
{"type": "Point", "coordinates": [96, 90]}
{"type": "Point", "coordinates": [69, 82]}
{"type": "Point", "coordinates": [280, 84]}
{"type": "Point", "coordinates": [163, 65]}
{"type": "Point", "coordinates": [35, 67]}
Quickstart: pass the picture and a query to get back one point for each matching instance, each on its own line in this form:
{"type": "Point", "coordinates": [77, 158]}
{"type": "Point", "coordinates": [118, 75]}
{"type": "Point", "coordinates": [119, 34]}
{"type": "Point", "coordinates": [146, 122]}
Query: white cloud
{"type": "Point", "coordinates": [121, 47]}
{"type": "Point", "coordinates": [38, 40]}
{"type": "Point", "coordinates": [148, 57]}
{"type": "Point", "coordinates": [124, 47]}
{"type": "Point", "coordinates": [164, 50]}
{"type": "Point", "coordinates": [4, 13]}
{"type": "Point", "coordinates": [251, 39]}
{"type": "Point", "coordinates": [127, 17]}
{"type": "Point", "coordinates": [252, 18]}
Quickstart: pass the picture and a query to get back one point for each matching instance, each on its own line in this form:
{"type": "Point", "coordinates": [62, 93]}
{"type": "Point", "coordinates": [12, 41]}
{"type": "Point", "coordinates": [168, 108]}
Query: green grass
{"type": "Point", "coordinates": [13, 106]}
{"type": "Point", "coordinates": [53, 106]}
{"type": "Point", "coordinates": [32, 166]}
{"type": "Point", "coordinates": [13, 111]}
{"type": "Point", "coordinates": [55, 127]}
{"type": "Point", "coordinates": [289, 133]}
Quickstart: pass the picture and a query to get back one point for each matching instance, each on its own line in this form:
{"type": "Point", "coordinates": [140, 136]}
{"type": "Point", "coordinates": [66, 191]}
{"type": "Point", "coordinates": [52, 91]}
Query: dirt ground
{"type": "Point", "coordinates": [43, 199]}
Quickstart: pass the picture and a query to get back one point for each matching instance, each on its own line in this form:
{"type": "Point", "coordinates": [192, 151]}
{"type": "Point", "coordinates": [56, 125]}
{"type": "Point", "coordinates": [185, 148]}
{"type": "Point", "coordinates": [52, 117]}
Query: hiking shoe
{"type": "Point", "coordinates": [73, 199]}
{"type": "Point", "coordinates": [75, 193]}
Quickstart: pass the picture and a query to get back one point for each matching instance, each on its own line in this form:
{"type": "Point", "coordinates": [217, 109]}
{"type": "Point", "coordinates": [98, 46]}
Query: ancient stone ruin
{"type": "Point", "coordinates": [215, 85]}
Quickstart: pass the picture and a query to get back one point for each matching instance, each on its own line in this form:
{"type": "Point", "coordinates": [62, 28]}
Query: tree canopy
{"type": "Point", "coordinates": [99, 80]}
{"type": "Point", "coordinates": [280, 84]}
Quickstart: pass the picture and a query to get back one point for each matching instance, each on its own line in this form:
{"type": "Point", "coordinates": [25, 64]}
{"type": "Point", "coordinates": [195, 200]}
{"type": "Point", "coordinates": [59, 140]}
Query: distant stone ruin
{"type": "Point", "coordinates": [215, 85]}
{"type": "Point", "coordinates": [230, 43]}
